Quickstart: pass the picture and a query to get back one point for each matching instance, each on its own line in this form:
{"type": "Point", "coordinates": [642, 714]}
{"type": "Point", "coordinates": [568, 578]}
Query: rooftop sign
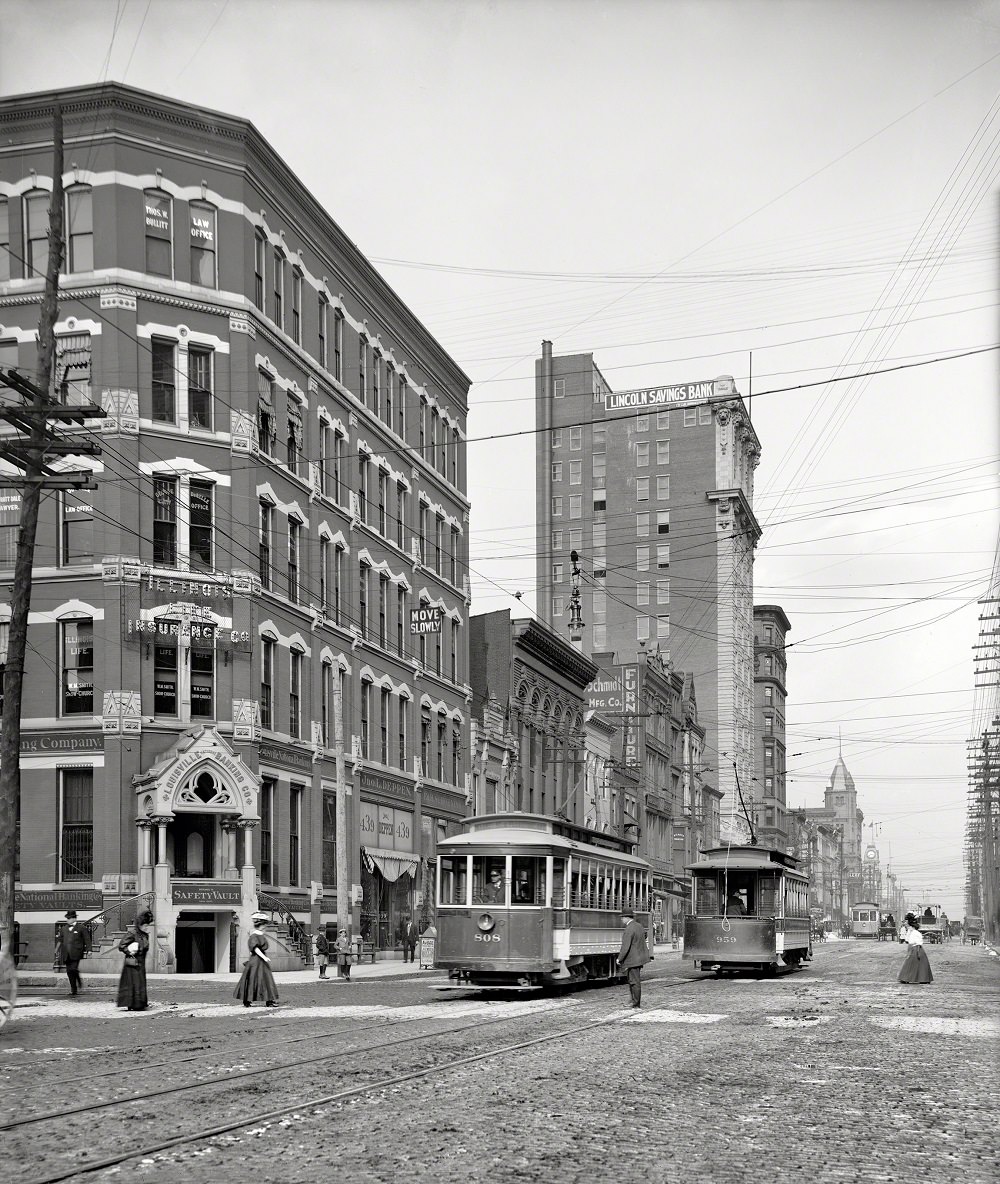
{"type": "Point", "coordinates": [669, 396]}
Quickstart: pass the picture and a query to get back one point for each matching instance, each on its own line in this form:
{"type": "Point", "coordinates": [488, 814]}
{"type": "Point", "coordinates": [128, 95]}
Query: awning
{"type": "Point", "coordinates": [392, 864]}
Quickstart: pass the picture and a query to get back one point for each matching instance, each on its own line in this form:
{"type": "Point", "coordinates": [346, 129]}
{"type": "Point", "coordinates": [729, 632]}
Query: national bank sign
{"type": "Point", "coordinates": [670, 396]}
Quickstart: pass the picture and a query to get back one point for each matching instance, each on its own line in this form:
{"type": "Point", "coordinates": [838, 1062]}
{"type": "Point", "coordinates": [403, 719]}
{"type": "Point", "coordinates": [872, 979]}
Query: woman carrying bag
{"type": "Point", "coordinates": [135, 946]}
{"type": "Point", "coordinates": [257, 981]}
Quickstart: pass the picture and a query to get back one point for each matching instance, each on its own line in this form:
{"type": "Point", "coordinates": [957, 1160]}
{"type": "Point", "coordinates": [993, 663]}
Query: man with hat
{"type": "Point", "coordinates": [633, 955]}
{"type": "Point", "coordinates": [72, 945]}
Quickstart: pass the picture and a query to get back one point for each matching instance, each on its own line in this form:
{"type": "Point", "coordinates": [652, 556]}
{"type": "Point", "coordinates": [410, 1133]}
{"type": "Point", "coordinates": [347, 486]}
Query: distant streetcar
{"type": "Point", "coordinates": [524, 900]}
{"type": "Point", "coordinates": [750, 911]}
{"type": "Point", "coordinates": [865, 919]}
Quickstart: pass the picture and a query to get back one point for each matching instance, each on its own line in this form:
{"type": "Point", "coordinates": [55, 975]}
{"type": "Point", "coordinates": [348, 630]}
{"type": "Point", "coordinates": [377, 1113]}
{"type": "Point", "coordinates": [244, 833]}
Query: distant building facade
{"type": "Point", "coordinates": [770, 627]}
{"type": "Point", "coordinates": [654, 490]}
{"type": "Point", "coordinates": [840, 817]}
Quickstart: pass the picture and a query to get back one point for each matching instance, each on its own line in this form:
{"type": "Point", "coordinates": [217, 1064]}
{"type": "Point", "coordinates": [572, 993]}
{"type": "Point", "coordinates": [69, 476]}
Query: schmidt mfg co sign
{"type": "Point", "coordinates": [669, 396]}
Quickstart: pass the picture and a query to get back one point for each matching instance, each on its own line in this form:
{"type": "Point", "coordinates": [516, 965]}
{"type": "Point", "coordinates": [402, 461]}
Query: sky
{"type": "Point", "coordinates": [791, 193]}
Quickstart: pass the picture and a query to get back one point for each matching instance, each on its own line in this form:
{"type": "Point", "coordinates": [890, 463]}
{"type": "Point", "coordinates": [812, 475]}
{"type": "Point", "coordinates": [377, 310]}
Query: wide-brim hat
{"type": "Point", "coordinates": [258, 918]}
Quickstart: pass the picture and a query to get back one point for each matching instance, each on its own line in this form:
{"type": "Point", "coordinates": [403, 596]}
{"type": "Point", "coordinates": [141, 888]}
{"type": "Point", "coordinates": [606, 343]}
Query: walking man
{"type": "Point", "coordinates": [633, 955]}
{"type": "Point", "coordinates": [73, 944]}
{"type": "Point", "coordinates": [410, 935]}
{"type": "Point", "coordinates": [322, 952]}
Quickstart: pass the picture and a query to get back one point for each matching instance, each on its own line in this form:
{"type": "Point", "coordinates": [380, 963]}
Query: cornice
{"type": "Point", "coordinates": [537, 639]}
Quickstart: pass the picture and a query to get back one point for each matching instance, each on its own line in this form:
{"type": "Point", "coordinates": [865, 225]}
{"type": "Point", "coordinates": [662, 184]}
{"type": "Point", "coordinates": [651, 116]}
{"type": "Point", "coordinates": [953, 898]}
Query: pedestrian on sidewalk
{"type": "Point", "coordinates": [72, 946]}
{"type": "Point", "coordinates": [135, 946]}
{"type": "Point", "coordinates": [322, 953]}
{"type": "Point", "coordinates": [633, 955]}
{"type": "Point", "coordinates": [916, 967]}
{"type": "Point", "coordinates": [410, 935]}
{"type": "Point", "coordinates": [343, 948]}
{"type": "Point", "coordinates": [257, 981]}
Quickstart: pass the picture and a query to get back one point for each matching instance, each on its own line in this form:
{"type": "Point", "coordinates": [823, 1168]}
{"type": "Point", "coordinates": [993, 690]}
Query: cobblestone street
{"type": "Point", "coordinates": [836, 1073]}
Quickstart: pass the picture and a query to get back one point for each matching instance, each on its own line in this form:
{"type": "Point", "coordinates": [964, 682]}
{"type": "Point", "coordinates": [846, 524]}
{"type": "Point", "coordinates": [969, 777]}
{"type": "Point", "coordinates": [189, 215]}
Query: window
{"type": "Point", "coordinates": [383, 493]}
{"type": "Point", "coordinates": [662, 591]}
{"type": "Point", "coordinates": [36, 233]}
{"type": "Point", "coordinates": [322, 320]}
{"type": "Point", "coordinates": [663, 488]}
{"type": "Point", "coordinates": [278, 289]}
{"type": "Point", "coordinates": [557, 503]}
{"type": "Point", "coordinates": [662, 420]}
{"type": "Point", "coordinates": [293, 436]}
{"type": "Point", "coordinates": [159, 234]}
{"type": "Point", "coordinates": [575, 505]}
{"type": "Point", "coordinates": [425, 744]}
{"type": "Point", "coordinates": [557, 540]}
{"type": "Point", "coordinates": [165, 521]}
{"type": "Point", "coordinates": [454, 880]}
{"type": "Point", "coordinates": [663, 452]}
{"type": "Point", "coordinates": [383, 726]}
{"type": "Point", "coordinates": [769, 723]}
{"type": "Point", "coordinates": [400, 620]}
{"type": "Point", "coordinates": [4, 240]}
{"type": "Point", "coordinates": [200, 389]}
{"type": "Point", "coordinates": [557, 437]}
{"type": "Point", "coordinates": [294, 545]}
{"type": "Point", "coordinates": [363, 370]}
{"type": "Point", "coordinates": [454, 652]}
{"type": "Point", "coordinates": [769, 635]}
{"type": "Point", "coordinates": [165, 697]}
{"type": "Point", "coordinates": [268, 647]}
{"type": "Point", "coordinates": [642, 424]}
{"type": "Point", "coordinates": [400, 515]}
{"type": "Point", "coordinates": [403, 726]}
{"type": "Point", "coordinates": [575, 439]}
{"type": "Point", "coordinates": [662, 521]}
{"type": "Point", "coordinates": [265, 529]}
{"type": "Point", "coordinates": [383, 611]}
{"type": "Point", "coordinates": [454, 556]}
{"type": "Point", "coordinates": [527, 880]}
{"type": "Point", "coordinates": [363, 570]}
{"type": "Point", "coordinates": [557, 605]}
{"type": "Point", "coordinates": [642, 592]}
{"type": "Point", "coordinates": [295, 693]}
{"type": "Point", "coordinates": [768, 665]}
{"type": "Point", "coordinates": [77, 533]}
{"type": "Point", "coordinates": [401, 409]}
{"type": "Point", "coordinates": [329, 839]}
{"type": "Point", "coordinates": [690, 416]}
{"type": "Point", "coordinates": [164, 380]}
{"type": "Point", "coordinates": [423, 534]}
{"type": "Point", "coordinates": [79, 230]}
{"type": "Point", "coordinates": [259, 254]}
{"type": "Point", "coordinates": [78, 667]}
{"type": "Point", "coordinates": [338, 345]}
{"type": "Point", "coordinates": [268, 868]}
{"type": "Point", "coordinates": [456, 755]}
{"type": "Point", "coordinates": [438, 668]}
{"type": "Point", "coordinates": [768, 756]}
{"type": "Point", "coordinates": [76, 825]}
{"type": "Point", "coordinates": [203, 674]}
{"type": "Point", "coordinates": [200, 532]}
{"type": "Point", "coordinates": [642, 559]}
{"type": "Point", "coordinates": [576, 472]}
{"type": "Point", "coordinates": [390, 378]}
{"type": "Point", "coordinates": [662, 628]}
{"type": "Point", "coordinates": [600, 501]}
{"type": "Point", "coordinates": [642, 628]}
{"type": "Point", "coordinates": [642, 489]}
{"type": "Point", "coordinates": [438, 542]}
{"type": "Point", "coordinates": [326, 703]}
{"type": "Point", "coordinates": [557, 471]}
{"type": "Point", "coordinates": [769, 695]}
{"type": "Point", "coordinates": [559, 388]}
{"type": "Point", "coordinates": [599, 466]}
{"type": "Point", "coordinates": [442, 732]}
{"type": "Point", "coordinates": [377, 383]}
{"type": "Point", "coordinates": [366, 708]}
{"type": "Point", "coordinates": [296, 306]}
{"type": "Point", "coordinates": [363, 486]}
{"type": "Point", "coordinates": [557, 573]}
{"type": "Point", "coordinates": [642, 525]}
{"type": "Point", "coordinates": [202, 244]}
{"type": "Point", "coordinates": [704, 416]}
{"type": "Point", "coordinates": [600, 437]}
{"type": "Point", "coordinates": [266, 426]}
{"type": "Point", "coordinates": [662, 555]}
{"type": "Point", "coordinates": [338, 582]}
{"type": "Point", "coordinates": [642, 455]}
{"type": "Point", "coordinates": [295, 793]}
{"type": "Point", "coordinates": [324, 574]}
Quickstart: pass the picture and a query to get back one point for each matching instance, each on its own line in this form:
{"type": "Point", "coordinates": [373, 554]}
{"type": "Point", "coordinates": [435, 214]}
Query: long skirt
{"type": "Point", "coordinates": [256, 982]}
{"type": "Point", "coordinates": [132, 988]}
{"type": "Point", "coordinates": [916, 968]}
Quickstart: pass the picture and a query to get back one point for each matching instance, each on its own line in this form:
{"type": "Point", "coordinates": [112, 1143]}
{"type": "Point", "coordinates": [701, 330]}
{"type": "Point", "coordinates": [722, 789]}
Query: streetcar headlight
{"type": "Point", "coordinates": [486, 922]}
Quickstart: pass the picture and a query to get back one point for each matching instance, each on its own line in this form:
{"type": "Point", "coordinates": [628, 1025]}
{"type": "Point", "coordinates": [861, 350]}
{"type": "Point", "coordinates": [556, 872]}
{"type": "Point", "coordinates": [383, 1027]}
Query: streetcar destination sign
{"type": "Point", "coordinates": [425, 620]}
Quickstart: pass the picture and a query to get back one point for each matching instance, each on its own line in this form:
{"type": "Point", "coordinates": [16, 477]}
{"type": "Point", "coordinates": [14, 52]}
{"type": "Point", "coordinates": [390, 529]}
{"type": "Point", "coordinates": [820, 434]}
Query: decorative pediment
{"type": "Point", "coordinates": [200, 773]}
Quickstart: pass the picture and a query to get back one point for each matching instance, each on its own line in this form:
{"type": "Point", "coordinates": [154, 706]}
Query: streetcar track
{"type": "Point", "coordinates": [324, 1100]}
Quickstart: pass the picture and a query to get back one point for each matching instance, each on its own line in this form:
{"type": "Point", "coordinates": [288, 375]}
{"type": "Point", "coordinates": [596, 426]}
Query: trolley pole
{"type": "Point", "coordinates": [343, 840]}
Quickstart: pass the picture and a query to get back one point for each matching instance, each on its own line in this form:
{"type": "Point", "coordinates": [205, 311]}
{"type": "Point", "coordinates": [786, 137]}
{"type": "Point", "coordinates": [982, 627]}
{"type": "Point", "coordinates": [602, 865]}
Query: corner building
{"type": "Point", "coordinates": [654, 490]}
{"type": "Point", "coordinates": [280, 506]}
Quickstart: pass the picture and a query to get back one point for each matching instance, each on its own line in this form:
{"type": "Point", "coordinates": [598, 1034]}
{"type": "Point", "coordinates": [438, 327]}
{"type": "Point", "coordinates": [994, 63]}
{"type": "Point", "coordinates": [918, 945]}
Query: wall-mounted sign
{"type": "Point", "coordinates": [60, 742]}
{"type": "Point", "coordinates": [668, 396]}
{"type": "Point", "coordinates": [385, 827]}
{"type": "Point", "coordinates": [426, 619]}
{"type": "Point", "coordinates": [202, 894]}
{"type": "Point", "coordinates": [59, 899]}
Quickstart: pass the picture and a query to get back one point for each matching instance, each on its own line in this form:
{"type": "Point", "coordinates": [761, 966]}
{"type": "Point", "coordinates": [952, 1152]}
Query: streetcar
{"type": "Point", "coordinates": [526, 901]}
{"type": "Point", "coordinates": [750, 911]}
{"type": "Point", "coordinates": [865, 919]}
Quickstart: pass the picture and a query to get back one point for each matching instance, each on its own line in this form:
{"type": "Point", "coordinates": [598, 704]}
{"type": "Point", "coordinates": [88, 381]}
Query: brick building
{"type": "Point", "coordinates": [282, 484]}
{"type": "Point", "coordinates": [654, 490]}
{"type": "Point", "coordinates": [770, 627]}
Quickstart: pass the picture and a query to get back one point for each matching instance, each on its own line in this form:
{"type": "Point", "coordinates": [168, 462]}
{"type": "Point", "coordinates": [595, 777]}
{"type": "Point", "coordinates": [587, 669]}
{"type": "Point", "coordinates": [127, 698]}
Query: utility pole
{"type": "Point", "coordinates": [343, 842]}
{"type": "Point", "coordinates": [30, 452]}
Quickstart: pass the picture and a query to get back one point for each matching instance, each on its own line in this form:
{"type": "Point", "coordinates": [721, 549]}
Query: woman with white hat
{"type": "Point", "coordinates": [257, 981]}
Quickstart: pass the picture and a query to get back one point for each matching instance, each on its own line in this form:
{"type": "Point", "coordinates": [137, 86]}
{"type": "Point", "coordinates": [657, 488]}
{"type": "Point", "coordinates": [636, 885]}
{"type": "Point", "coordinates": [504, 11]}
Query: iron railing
{"type": "Point", "coordinates": [113, 920]}
{"type": "Point", "coordinates": [297, 933]}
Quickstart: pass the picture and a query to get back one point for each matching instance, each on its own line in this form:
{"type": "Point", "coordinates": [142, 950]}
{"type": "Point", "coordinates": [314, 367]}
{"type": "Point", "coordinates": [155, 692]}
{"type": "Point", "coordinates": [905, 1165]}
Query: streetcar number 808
{"type": "Point", "coordinates": [487, 937]}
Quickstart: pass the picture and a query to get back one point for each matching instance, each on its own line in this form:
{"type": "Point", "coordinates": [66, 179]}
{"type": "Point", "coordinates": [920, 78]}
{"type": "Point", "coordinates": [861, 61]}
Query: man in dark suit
{"type": "Point", "coordinates": [633, 955]}
{"type": "Point", "coordinates": [410, 935]}
{"type": "Point", "coordinates": [73, 944]}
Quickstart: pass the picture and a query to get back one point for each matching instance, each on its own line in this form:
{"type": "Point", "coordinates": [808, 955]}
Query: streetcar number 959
{"type": "Point", "coordinates": [487, 937]}
{"type": "Point", "coordinates": [725, 939]}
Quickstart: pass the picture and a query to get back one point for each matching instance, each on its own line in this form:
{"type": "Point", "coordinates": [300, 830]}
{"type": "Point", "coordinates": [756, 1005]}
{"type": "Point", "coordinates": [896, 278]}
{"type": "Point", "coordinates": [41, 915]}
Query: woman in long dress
{"type": "Point", "coordinates": [916, 968]}
{"type": "Point", "coordinates": [135, 946]}
{"type": "Point", "coordinates": [257, 981]}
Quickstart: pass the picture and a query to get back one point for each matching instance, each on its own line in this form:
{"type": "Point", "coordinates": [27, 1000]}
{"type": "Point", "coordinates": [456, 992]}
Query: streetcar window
{"type": "Point", "coordinates": [707, 896]}
{"type": "Point", "coordinates": [454, 879]}
{"type": "Point", "coordinates": [767, 893]}
{"type": "Point", "coordinates": [527, 880]}
{"type": "Point", "coordinates": [558, 883]}
{"type": "Point", "coordinates": [741, 886]}
{"type": "Point", "coordinates": [489, 879]}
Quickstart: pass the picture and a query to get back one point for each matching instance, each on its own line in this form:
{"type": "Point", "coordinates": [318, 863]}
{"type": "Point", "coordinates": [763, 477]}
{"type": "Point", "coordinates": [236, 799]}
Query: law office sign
{"type": "Point", "coordinates": [426, 619]}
